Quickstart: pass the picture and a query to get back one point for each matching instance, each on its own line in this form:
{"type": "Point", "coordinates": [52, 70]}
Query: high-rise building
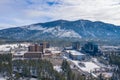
{"type": "Point", "coordinates": [45, 45]}
{"type": "Point", "coordinates": [35, 48]}
{"type": "Point", "coordinates": [76, 45]}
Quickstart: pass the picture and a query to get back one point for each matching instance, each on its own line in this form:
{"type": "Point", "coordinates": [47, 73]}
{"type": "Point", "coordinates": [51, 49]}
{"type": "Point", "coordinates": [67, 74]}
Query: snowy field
{"type": "Point", "coordinates": [7, 47]}
{"type": "Point", "coordinates": [89, 66]}
{"type": "Point", "coordinates": [86, 66]}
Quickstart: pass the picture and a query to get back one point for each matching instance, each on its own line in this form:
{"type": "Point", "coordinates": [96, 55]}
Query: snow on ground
{"type": "Point", "coordinates": [89, 66]}
{"type": "Point", "coordinates": [32, 27]}
{"type": "Point", "coordinates": [97, 62]}
{"type": "Point", "coordinates": [70, 33]}
{"type": "Point", "coordinates": [4, 48]}
{"type": "Point", "coordinates": [57, 68]}
{"type": "Point", "coordinates": [58, 32]}
{"type": "Point", "coordinates": [7, 47]}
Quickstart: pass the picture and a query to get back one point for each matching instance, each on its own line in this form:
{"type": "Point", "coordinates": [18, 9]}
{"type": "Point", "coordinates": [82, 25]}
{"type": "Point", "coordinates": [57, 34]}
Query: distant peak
{"type": "Point", "coordinates": [82, 20]}
{"type": "Point", "coordinates": [60, 20]}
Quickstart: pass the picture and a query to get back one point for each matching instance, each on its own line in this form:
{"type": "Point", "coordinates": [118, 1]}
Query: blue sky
{"type": "Point", "coordinates": [23, 12]}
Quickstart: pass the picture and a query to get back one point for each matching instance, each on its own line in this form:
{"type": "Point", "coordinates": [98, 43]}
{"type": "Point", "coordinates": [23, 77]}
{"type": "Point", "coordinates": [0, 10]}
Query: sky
{"type": "Point", "coordinates": [24, 12]}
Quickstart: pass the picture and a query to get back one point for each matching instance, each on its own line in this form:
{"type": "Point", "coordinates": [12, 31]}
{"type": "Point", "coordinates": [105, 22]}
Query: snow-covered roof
{"type": "Point", "coordinates": [21, 53]}
{"type": "Point", "coordinates": [70, 47]}
{"type": "Point", "coordinates": [54, 50]}
{"type": "Point", "coordinates": [74, 52]}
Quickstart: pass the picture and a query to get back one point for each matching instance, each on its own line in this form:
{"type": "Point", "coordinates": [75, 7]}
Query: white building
{"type": "Point", "coordinates": [75, 55]}
{"type": "Point", "coordinates": [18, 55]}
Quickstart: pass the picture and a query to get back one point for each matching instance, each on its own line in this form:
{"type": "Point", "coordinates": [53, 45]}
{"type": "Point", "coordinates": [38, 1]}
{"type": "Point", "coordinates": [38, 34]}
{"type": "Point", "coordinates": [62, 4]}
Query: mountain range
{"type": "Point", "coordinates": [63, 29]}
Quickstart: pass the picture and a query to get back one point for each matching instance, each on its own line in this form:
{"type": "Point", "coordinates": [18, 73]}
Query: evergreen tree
{"type": "Point", "coordinates": [66, 70]}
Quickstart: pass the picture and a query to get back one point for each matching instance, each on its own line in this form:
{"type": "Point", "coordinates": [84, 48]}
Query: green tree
{"type": "Point", "coordinates": [66, 70]}
{"type": "Point", "coordinates": [17, 76]}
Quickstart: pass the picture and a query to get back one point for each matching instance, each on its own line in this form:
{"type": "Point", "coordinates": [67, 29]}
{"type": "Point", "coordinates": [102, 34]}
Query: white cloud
{"type": "Point", "coordinates": [23, 12]}
{"type": "Point", "coordinates": [3, 26]}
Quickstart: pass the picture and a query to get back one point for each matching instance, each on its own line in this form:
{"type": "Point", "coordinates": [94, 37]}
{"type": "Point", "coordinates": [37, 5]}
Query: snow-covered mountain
{"type": "Point", "coordinates": [62, 29]}
{"type": "Point", "coordinates": [55, 31]}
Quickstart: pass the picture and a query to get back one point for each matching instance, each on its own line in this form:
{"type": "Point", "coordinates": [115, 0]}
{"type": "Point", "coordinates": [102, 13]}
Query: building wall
{"type": "Point", "coordinates": [76, 45]}
{"type": "Point", "coordinates": [35, 48]}
{"type": "Point", "coordinates": [31, 48]}
{"type": "Point", "coordinates": [77, 57]}
{"type": "Point", "coordinates": [45, 45]}
{"type": "Point", "coordinates": [32, 55]}
{"type": "Point", "coordinates": [17, 56]}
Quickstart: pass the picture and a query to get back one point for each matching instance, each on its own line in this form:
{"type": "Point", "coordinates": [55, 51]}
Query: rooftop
{"type": "Point", "coordinates": [74, 52]}
{"type": "Point", "coordinates": [20, 53]}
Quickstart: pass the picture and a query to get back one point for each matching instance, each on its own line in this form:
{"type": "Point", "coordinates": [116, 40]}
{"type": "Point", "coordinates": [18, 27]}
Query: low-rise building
{"type": "Point", "coordinates": [18, 55]}
{"type": "Point", "coordinates": [33, 55]}
{"type": "Point", "coordinates": [75, 55]}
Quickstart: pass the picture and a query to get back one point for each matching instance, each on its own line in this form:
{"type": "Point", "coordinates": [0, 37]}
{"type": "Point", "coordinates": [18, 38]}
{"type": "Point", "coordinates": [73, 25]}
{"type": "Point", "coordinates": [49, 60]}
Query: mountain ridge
{"type": "Point", "coordinates": [79, 29]}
